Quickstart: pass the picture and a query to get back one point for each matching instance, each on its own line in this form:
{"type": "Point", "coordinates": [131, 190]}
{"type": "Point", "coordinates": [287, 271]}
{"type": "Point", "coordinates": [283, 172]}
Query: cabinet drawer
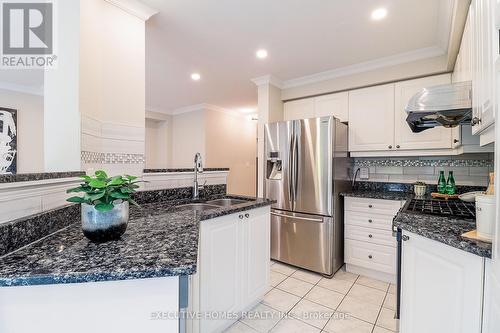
{"type": "Point", "coordinates": [372, 256]}
{"type": "Point", "coordinates": [370, 235]}
{"type": "Point", "coordinates": [377, 206]}
{"type": "Point", "coordinates": [369, 220]}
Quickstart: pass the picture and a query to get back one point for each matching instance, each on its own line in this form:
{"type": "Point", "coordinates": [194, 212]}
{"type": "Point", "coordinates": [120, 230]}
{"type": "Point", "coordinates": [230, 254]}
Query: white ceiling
{"type": "Point", "coordinates": [218, 39]}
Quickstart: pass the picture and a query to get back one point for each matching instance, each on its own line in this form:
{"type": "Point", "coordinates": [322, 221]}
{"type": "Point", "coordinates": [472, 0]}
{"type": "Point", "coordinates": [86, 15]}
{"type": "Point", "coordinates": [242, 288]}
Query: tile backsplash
{"type": "Point", "coordinates": [468, 169]}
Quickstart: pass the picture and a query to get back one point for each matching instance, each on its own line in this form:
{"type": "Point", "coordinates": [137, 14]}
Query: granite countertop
{"type": "Point", "coordinates": [387, 195]}
{"type": "Point", "coordinates": [27, 177]}
{"type": "Point", "coordinates": [161, 240]}
{"type": "Point", "coordinates": [183, 170]}
{"type": "Point", "coordinates": [444, 230]}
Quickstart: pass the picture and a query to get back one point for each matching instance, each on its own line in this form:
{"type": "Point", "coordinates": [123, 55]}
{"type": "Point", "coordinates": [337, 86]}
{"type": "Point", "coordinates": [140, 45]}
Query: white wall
{"type": "Point", "coordinates": [112, 88]}
{"type": "Point", "coordinates": [29, 129]}
{"type": "Point", "coordinates": [157, 144]}
{"type": "Point", "coordinates": [231, 141]}
{"type": "Point", "coordinates": [188, 138]}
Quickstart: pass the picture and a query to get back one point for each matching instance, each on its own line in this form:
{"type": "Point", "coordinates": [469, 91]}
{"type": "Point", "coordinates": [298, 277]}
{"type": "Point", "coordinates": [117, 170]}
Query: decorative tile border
{"type": "Point", "coordinates": [366, 163]}
{"type": "Point", "coordinates": [111, 158]}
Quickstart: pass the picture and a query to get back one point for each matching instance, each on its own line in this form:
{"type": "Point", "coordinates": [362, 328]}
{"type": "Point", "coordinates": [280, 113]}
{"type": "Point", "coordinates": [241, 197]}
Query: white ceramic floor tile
{"type": "Point", "coordinates": [295, 286]}
{"type": "Point", "coordinates": [392, 289]}
{"type": "Point", "coordinates": [381, 330]}
{"type": "Point", "coordinates": [367, 294]}
{"type": "Point", "coordinates": [343, 275]}
{"type": "Point", "coordinates": [307, 276]}
{"type": "Point", "coordinates": [325, 297]}
{"type": "Point", "coordinates": [262, 318]}
{"type": "Point", "coordinates": [347, 324]}
{"type": "Point", "coordinates": [239, 327]}
{"type": "Point", "coordinates": [386, 319]}
{"type": "Point", "coordinates": [290, 325]}
{"type": "Point", "coordinates": [390, 301]}
{"type": "Point", "coordinates": [277, 278]}
{"type": "Point", "coordinates": [311, 313]}
{"type": "Point", "coordinates": [280, 300]}
{"type": "Point", "coordinates": [372, 283]}
{"type": "Point", "coordinates": [359, 309]}
{"type": "Point", "coordinates": [338, 285]}
{"type": "Point", "coordinates": [283, 269]}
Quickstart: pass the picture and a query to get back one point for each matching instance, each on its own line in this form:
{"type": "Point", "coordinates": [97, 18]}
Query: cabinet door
{"type": "Point", "coordinates": [442, 288]}
{"type": "Point", "coordinates": [256, 249]}
{"type": "Point", "coordinates": [371, 119]}
{"type": "Point", "coordinates": [300, 109]}
{"type": "Point", "coordinates": [219, 269]}
{"type": "Point", "coordinates": [434, 138]}
{"type": "Point", "coordinates": [336, 105]}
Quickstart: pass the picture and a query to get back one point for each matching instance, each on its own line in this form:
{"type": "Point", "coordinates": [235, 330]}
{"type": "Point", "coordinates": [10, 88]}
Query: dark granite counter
{"type": "Point", "coordinates": [28, 177]}
{"type": "Point", "coordinates": [161, 240]}
{"type": "Point", "coordinates": [183, 170]}
{"type": "Point", "coordinates": [389, 195]}
{"type": "Point", "coordinates": [444, 230]}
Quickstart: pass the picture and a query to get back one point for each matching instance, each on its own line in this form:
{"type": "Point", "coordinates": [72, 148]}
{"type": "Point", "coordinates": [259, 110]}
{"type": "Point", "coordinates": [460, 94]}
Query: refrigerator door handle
{"type": "Point", "coordinates": [297, 217]}
{"type": "Point", "coordinates": [296, 165]}
{"type": "Point", "coordinates": [291, 171]}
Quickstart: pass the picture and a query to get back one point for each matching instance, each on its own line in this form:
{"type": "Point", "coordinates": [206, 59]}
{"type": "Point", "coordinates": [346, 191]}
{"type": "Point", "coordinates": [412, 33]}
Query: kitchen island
{"type": "Point", "coordinates": [138, 283]}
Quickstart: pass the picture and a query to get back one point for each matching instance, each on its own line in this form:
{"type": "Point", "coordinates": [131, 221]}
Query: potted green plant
{"type": "Point", "coordinates": [105, 205]}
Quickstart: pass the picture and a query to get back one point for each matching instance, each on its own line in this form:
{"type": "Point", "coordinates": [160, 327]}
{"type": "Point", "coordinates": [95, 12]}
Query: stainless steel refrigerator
{"type": "Point", "coordinates": [307, 166]}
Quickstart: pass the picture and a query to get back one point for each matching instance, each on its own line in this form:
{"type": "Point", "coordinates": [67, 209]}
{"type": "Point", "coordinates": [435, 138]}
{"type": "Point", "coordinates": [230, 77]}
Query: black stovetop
{"type": "Point", "coordinates": [451, 208]}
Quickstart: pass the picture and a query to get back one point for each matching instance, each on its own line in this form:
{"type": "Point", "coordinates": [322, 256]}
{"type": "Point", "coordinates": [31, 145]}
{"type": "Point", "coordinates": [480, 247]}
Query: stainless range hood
{"type": "Point", "coordinates": [447, 105]}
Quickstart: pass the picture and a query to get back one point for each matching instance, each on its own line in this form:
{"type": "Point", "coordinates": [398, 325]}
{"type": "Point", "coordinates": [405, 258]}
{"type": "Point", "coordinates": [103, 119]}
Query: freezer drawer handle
{"type": "Point", "coordinates": [297, 217]}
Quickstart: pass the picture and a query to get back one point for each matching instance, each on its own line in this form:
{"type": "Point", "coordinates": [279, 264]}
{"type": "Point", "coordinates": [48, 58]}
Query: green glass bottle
{"type": "Point", "coordinates": [451, 188]}
{"type": "Point", "coordinates": [442, 183]}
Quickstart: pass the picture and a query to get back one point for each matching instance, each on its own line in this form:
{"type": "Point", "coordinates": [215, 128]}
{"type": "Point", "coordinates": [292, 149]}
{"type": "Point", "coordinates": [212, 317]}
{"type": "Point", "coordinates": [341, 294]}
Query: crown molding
{"type": "Point", "coordinates": [194, 108]}
{"type": "Point", "coordinates": [135, 7]}
{"type": "Point", "coordinates": [397, 59]}
{"type": "Point", "coordinates": [32, 90]}
{"type": "Point", "coordinates": [268, 79]}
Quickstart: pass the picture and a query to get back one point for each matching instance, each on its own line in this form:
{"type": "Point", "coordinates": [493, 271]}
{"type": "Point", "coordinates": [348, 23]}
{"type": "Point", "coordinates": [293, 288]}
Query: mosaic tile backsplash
{"type": "Point", "coordinates": [111, 158]}
{"type": "Point", "coordinates": [468, 169]}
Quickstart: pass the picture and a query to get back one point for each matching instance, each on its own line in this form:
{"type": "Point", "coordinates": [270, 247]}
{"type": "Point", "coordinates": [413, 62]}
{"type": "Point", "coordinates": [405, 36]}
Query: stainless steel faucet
{"type": "Point", "coordinates": [198, 168]}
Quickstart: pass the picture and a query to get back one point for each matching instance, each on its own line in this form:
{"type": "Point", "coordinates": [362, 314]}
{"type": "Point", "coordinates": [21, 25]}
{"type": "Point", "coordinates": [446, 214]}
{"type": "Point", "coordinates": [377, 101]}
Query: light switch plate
{"type": "Point", "coordinates": [364, 173]}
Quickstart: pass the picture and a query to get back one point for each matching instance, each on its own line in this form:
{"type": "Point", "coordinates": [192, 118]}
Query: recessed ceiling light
{"type": "Point", "coordinates": [379, 14]}
{"type": "Point", "coordinates": [248, 110]}
{"type": "Point", "coordinates": [195, 77]}
{"type": "Point", "coordinates": [261, 54]}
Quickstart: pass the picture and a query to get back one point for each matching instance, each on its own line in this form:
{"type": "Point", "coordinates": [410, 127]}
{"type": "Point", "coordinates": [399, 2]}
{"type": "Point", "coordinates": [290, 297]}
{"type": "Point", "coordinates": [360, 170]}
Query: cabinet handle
{"type": "Point", "coordinates": [370, 221]}
{"type": "Point", "coordinates": [370, 236]}
{"type": "Point", "coordinates": [456, 141]}
{"type": "Point", "coordinates": [390, 147]}
{"type": "Point", "coordinates": [405, 238]}
{"type": "Point", "coordinates": [370, 206]}
{"type": "Point", "coordinates": [247, 216]}
{"type": "Point", "coordinates": [475, 121]}
{"type": "Point", "coordinates": [398, 146]}
{"type": "Point", "coordinates": [370, 257]}
{"type": "Point", "coordinates": [241, 217]}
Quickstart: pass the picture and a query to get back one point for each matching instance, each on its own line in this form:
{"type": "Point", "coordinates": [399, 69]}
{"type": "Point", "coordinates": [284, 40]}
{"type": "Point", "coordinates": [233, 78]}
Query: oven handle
{"type": "Point", "coordinates": [297, 217]}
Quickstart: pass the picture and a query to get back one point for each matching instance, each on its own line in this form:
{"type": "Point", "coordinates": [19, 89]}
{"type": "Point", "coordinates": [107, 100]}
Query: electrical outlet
{"type": "Point", "coordinates": [364, 173]}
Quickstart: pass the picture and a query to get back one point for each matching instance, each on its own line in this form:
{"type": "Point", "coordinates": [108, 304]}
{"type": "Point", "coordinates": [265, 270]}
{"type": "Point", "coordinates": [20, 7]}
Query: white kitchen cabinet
{"type": "Point", "coordinates": [491, 323]}
{"type": "Point", "coordinates": [336, 105]}
{"type": "Point", "coordinates": [484, 42]}
{"type": "Point", "coordinates": [434, 138]}
{"type": "Point", "coordinates": [371, 119]}
{"type": "Point", "coordinates": [442, 288]}
{"type": "Point", "coordinates": [299, 109]}
{"type": "Point", "coordinates": [369, 246]}
{"type": "Point", "coordinates": [233, 267]}
{"type": "Point", "coordinates": [323, 106]}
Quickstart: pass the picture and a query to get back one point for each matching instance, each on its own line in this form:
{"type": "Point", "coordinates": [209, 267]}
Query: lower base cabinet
{"type": "Point", "coordinates": [442, 288]}
{"type": "Point", "coordinates": [233, 269]}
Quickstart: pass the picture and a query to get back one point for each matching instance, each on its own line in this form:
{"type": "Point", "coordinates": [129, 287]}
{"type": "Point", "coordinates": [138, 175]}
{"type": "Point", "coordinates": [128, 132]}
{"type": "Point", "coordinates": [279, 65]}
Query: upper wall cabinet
{"type": "Point", "coordinates": [482, 34]}
{"type": "Point", "coordinates": [371, 119]}
{"type": "Point", "coordinates": [329, 105]}
{"type": "Point", "coordinates": [405, 139]}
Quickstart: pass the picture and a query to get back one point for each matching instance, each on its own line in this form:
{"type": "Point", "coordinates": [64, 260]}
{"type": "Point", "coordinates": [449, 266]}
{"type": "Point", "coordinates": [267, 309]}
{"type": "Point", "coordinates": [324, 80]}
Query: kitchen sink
{"type": "Point", "coordinates": [226, 202]}
{"type": "Point", "coordinates": [198, 207]}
